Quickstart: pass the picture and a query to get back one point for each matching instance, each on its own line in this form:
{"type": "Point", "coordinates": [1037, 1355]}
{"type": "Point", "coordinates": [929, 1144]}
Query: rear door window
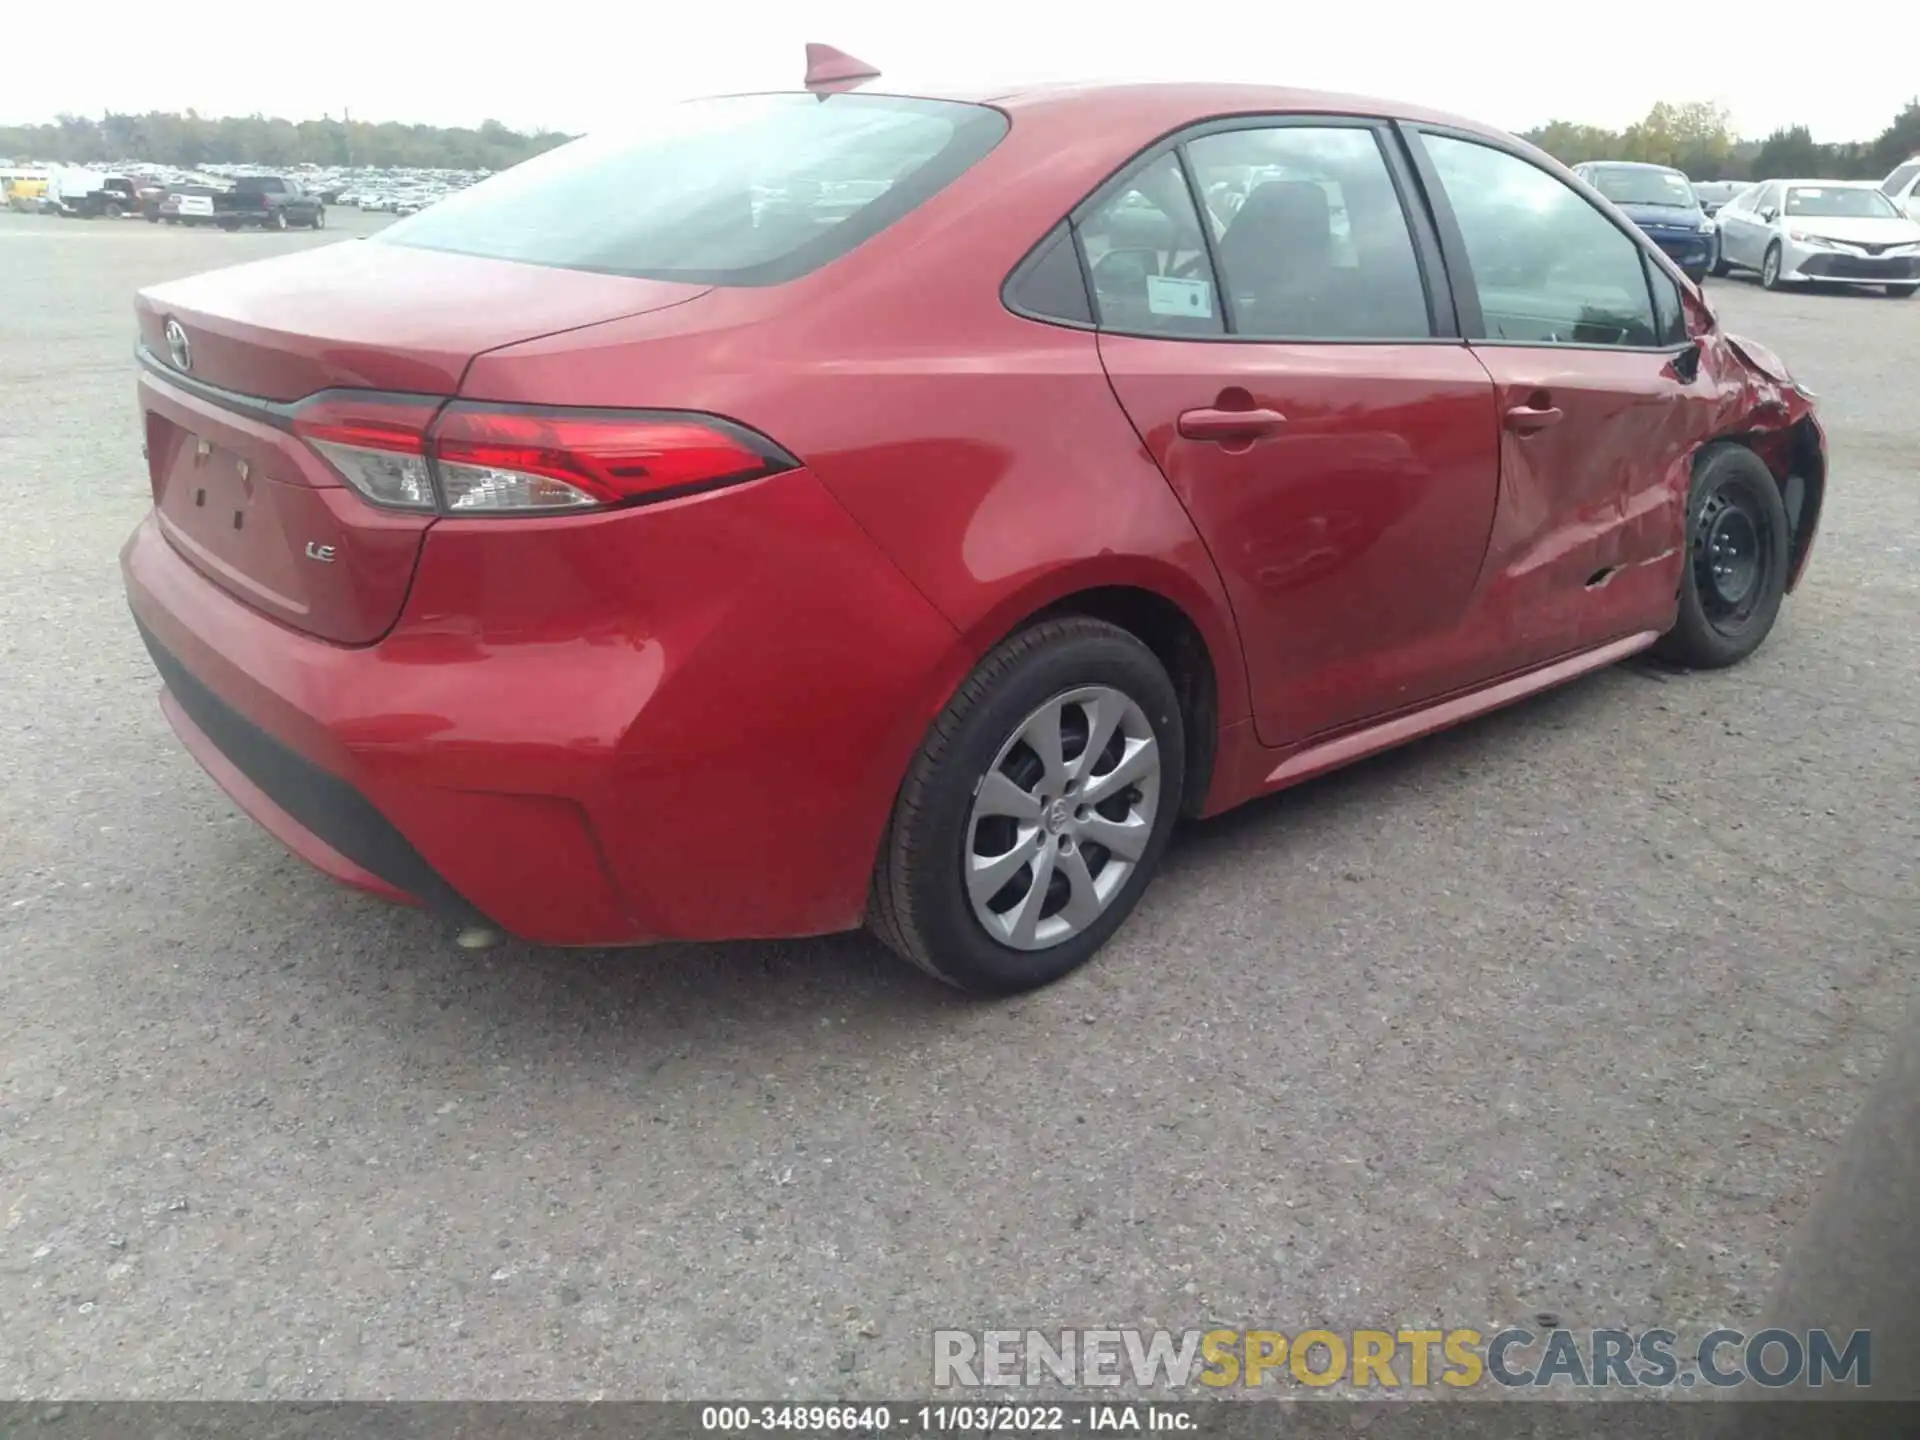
{"type": "Point", "coordinates": [1310, 236]}
{"type": "Point", "coordinates": [1147, 257]}
{"type": "Point", "coordinates": [743, 190]}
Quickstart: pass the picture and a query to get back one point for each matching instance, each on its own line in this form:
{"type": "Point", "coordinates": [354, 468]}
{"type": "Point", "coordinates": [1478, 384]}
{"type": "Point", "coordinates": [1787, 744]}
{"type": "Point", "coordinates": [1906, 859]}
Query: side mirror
{"type": "Point", "coordinates": [1769, 214]}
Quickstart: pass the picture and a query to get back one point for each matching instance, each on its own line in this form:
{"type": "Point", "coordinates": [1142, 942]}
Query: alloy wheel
{"type": "Point", "coordinates": [1062, 818]}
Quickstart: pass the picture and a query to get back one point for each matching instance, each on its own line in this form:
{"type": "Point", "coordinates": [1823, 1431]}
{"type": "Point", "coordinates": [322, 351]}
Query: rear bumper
{"type": "Point", "coordinates": [680, 723]}
{"type": "Point", "coordinates": [317, 815]}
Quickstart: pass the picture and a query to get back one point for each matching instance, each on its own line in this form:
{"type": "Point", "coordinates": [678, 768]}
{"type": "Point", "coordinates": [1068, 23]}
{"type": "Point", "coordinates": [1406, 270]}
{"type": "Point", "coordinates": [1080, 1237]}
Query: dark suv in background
{"type": "Point", "coordinates": [272, 202]}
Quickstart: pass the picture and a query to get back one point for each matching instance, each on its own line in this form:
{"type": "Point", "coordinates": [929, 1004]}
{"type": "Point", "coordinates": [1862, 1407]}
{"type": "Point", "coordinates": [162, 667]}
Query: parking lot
{"type": "Point", "coordinates": [1563, 1011]}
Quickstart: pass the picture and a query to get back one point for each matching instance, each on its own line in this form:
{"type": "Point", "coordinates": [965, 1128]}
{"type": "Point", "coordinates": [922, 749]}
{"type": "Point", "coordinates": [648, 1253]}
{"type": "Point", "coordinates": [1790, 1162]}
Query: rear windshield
{"type": "Point", "coordinates": [746, 190]}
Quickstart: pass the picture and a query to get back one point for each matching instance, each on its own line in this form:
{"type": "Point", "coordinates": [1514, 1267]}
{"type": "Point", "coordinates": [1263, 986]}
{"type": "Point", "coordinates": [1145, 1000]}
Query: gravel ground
{"type": "Point", "coordinates": [1565, 1010]}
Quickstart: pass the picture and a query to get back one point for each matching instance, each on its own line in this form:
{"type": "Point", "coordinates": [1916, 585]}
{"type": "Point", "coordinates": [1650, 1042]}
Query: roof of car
{"type": "Point", "coordinates": [1171, 104]}
{"type": "Point", "coordinates": [1830, 184]}
{"type": "Point", "coordinates": [1637, 165]}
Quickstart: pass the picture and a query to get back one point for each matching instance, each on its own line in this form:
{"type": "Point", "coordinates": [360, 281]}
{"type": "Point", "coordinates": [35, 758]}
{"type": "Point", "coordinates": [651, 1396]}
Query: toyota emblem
{"type": "Point", "coordinates": [177, 346]}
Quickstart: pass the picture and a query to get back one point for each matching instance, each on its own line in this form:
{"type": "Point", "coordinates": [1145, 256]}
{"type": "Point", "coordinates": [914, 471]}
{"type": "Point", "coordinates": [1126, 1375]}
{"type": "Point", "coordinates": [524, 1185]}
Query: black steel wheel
{"type": "Point", "coordinates": [1738, 548]}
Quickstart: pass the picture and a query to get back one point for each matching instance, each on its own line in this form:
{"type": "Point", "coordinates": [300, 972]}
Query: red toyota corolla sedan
{"type": "Point", "coordinates": [840, 507]}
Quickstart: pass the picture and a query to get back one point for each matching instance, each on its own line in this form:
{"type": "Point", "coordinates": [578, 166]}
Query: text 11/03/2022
{"type": "Point", "coordinates": [908, 1418]}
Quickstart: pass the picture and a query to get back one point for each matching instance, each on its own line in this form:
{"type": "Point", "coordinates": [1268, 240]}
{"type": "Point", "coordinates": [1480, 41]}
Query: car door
{"type": "Point", "coordinates": [1903, 188]}
{"type": "Point", "coordinates": [1292, 368]}
{"type": "Point", "coordinates": [1738, 224]}
{"type": "Point", "coordinates": [1601, 402]}
{"type": "Point", "coordinates": [1725, 219]}
{"type": "Point", "coordinates": [1763, 213]}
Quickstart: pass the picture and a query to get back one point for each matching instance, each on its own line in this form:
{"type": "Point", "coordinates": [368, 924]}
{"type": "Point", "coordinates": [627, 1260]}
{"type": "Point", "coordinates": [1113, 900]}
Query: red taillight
{"type": "Point", "coordinates": [503, 460]}
{"type": "Point", "coordinates": [376, 443]}
{"type": "Point", "coordinates": [493, 459]}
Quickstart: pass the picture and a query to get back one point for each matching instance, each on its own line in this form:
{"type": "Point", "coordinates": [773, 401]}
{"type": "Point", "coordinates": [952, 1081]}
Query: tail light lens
{"type": "Point", "coordinates": [517, 460]}
{"type": "Point", "coordinates": [494, 459]}
{"type": "Point", "coordinates": [377, 444]}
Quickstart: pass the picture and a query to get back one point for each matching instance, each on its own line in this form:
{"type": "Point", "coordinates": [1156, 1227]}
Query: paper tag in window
{"type": "Point", "coordinates": [1192, 298]}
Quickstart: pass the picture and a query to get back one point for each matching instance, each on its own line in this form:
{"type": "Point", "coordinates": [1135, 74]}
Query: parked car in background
{"type": "Point", "coordinates": [1712, 194]}
{"type": "Point", "coordinates": [80, 193]}
{"type": "Point", "coordinates": [1844, 231]}
{"type": "Point", "coordinates": [1661, 202]}
{"type": "Point", "coordinates": [272, 202]}
{"type": "Point", "coordinates": [188, 205]}
{"type": "Point", "coordinates": [517, 559]}
{"type": "Point", "coordinates": [21, 188]}
{"type": "Point", "coordinates": [1903, 187]}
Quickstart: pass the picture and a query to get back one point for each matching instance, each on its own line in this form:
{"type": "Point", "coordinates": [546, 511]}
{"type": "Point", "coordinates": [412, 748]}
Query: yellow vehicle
{"type": "Point", "coordinates": [22, 189]}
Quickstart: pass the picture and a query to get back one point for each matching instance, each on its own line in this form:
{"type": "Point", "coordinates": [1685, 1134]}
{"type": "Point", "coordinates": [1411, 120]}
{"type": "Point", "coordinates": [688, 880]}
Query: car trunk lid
{"type": "Point", "coordinates": [252, 506]}
{"type": "Point", "coordinates": [368, 315]}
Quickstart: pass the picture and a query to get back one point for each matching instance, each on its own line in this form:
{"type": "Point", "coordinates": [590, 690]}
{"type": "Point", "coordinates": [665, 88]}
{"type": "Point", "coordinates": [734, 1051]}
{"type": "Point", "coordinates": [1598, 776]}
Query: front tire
{"type": "Point", "coordinates": [1901, 292]}
{"type": "Point", "coordinates": [1036, 811]}
{"type": "Point", "coordinates": [320, 219]}
{"type": "Point", "coordinates": [1770, 267]}
{"type": "Point", "coordinates": [1738, 548]}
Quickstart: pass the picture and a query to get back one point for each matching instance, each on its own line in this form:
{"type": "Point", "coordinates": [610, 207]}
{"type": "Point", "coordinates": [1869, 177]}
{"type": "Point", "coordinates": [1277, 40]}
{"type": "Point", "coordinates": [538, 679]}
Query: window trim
{"type": "Point", "coordinates": [1030, 260]}
{"type": "Point", "coordinates": [1113, 186]}
{"type": "Point", "coordinates": [1453, 244]}
{"type": "Point", "coordinates": [1443, 313]}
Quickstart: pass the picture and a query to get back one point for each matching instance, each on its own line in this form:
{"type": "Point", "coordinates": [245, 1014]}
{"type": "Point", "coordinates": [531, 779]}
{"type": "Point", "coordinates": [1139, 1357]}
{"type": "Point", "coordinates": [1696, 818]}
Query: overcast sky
{"type": "Point", "coordinates": [574, 65]}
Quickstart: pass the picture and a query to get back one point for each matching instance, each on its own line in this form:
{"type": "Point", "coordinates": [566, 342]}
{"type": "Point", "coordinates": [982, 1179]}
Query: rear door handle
{"type": "Point", "coordinates": [1229, 424]}
{"type": "Point", "coordinates": [1528, 419]}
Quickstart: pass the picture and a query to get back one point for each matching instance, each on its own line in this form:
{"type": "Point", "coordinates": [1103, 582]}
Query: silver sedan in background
{"type": "Point", "coordinates": [1843, 231]}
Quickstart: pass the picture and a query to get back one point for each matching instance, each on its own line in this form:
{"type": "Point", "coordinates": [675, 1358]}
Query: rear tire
{"type": "Point", "coordinates": [1738, 547]}
{"type": "Point", "coordinates": [1770, 268]}
{"type": "Point", "coordinates": [276, 220]}
{"type": "Point", "coordinates": [974, 795]}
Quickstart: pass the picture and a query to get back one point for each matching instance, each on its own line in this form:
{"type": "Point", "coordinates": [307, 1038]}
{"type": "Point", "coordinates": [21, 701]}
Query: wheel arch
{"type": "Point", "coordinates": [1796, 457]}
{"type": "Point", "coordinates": [1173, 618]}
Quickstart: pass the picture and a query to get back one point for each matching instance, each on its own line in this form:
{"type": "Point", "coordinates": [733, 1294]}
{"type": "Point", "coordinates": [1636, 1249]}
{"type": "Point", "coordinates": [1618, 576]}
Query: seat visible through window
{"type": "Point", "coordinates": [1319, 249]}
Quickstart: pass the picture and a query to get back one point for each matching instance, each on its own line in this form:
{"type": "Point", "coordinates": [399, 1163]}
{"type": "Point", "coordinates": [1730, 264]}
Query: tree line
{"type": "Point", "coordinates": [1698, 138]}
{"type": "Point", "coordinates": [166, 138]}
{"type": "Point", "coordinates": [1695, 137]}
